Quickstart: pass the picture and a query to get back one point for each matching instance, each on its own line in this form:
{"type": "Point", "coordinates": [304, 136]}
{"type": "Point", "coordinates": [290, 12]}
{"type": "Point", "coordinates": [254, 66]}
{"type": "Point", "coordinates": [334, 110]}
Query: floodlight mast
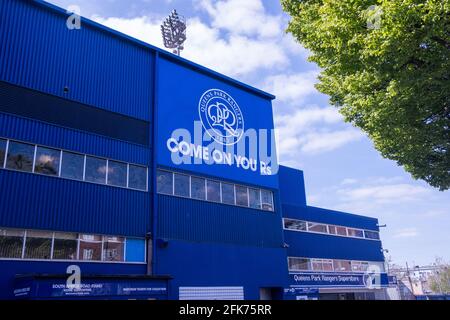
{"type": "Point", "coordinates": [173, 31]}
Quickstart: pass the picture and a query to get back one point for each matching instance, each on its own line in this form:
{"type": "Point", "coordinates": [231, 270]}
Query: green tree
{"type": "Point", "coordinates": [386, 65]}
{"type": "Point", "coordinates": [440, 280]}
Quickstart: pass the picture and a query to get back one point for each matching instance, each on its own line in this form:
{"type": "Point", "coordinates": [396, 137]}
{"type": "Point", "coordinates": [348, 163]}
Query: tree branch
{"type": "Point", "coordinates": [441, 41]}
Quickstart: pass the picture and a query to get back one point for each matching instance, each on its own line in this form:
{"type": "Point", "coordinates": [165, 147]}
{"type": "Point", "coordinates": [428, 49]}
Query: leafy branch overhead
{"type": "Point", "coordinates": [386, 65]}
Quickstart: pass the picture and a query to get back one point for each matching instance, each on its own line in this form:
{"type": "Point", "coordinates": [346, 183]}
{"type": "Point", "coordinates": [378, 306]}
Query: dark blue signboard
{"type": "Point", "coordinates": [54, 288]}
{"type": "Point", "coordinates": [214, 127]}
{"type": "Point", "coordinates": [295, 293]}
{"type": "Point", "coordinates": [308, 279]}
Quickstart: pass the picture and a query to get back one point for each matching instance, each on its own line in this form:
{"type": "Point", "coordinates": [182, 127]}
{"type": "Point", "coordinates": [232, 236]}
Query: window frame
{"type": "Point", "coordinates": [329, 226]}
{"type": "Point", "coordinates": [58, 174]}
{"type": "Point", "coordinates": [172, 184]}
{"type": "Point", "coordinates": [78, 240]}
{"type": "Point", "coordinates": [309, 264]}
{"type": "Point", "coordinates": [5, 156]}
{"type": "Point", "coordinates": [204, 188]}
{"type": "Point", "coordinates": [236, 186]}
{"type": "Point", "coordinates": [128, 177]}
{"type": "Point", "coordinates": [298, 221]}
{"type": "Point", "coordinates": [258, 192]}
{"type": "Point", "coordinates": [356, 230]}
{"type": "Point", "coordinates": [373, 232]}
{"type": "Point", "coordinates": [270, 192]}
{"type": "Point", "coordinates": [220, 184]}
{"type": "Point", "coordinates": [332, 262]}
{"type": "Point", "coordinates": [126, 173]}
{"type": "Point", "coordinates": [189, 192]}
{"type": "Point", "coordinates": [220, 190]}
{"type": "Point", "coordinates": [61, 152]}
{"type": "Point", "coordinates": [317, 224]}
{"type": "Point", "coordinates": [32, 160]}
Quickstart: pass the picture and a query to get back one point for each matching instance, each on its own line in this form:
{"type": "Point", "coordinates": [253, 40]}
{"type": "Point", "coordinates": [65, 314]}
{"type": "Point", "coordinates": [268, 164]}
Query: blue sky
{"type": "Point", "coordinates": [343, 171]}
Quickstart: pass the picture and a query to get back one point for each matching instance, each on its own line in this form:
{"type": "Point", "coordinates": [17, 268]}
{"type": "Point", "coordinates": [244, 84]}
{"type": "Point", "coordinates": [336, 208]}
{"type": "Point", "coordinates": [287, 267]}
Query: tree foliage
{"type": "Point", "coordinates": [391, 79]}
{"type": "Point", "coordinates": [440, 280]}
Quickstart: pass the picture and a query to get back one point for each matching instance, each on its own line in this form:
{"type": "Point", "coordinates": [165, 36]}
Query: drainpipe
{"type": "Point", "coordinates": [152, 241]}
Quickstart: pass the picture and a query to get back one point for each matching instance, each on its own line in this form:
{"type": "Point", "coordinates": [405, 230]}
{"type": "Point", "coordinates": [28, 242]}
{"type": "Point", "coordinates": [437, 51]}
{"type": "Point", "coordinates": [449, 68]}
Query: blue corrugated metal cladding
{"type": "Point", "coordinates": [195, 220]}
{"type": "Point", "coordinates": [38, 51]}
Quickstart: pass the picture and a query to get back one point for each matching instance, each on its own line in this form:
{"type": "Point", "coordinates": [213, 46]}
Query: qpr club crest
{"type": "Point", "coordinates": [221, 117]}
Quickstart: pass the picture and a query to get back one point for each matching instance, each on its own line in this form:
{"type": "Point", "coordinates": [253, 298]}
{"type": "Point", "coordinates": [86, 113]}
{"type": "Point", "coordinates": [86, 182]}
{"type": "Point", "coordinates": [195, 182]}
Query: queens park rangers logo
{"type": "Point", "coordinates": [221, 117]}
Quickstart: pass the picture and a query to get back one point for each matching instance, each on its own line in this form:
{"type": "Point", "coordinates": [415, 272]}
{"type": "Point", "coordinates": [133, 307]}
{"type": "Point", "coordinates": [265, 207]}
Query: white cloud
{"type": "Point", "coordinates": [322, 142]}
{"type": "Point", "coordinates": [309, 117]}
{"type": "Point", "coordinates": [247, 17]}
{"type": "Point", "coordinates": [292, 88]}
{"type": "Point", "coordinates": [392, 193]}
{"type": "Point", "coordinates": [304, 131]}
{"type": "Point", "coordinates": [406, 233]}
{"type": "Point", "coordinates": [234, 55]}
{"type": "Point", "coordinates": [142, 28]}
{"type": "Point", "coordinates": [348, 181]}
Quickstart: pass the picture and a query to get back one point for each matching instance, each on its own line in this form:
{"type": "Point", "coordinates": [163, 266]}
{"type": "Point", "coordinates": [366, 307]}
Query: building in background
{"type": "Point", "coordinates": [92, 124]}
{"type": "Point", "coordinates": [416, 282]}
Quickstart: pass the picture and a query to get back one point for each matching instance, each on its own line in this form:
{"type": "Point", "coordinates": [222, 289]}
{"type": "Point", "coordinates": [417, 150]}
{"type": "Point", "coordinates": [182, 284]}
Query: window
{"type": "Point", "coordinates": [95, 170]}
{"type": "Point", "coordinates": [317, 265]}
{"type": "Point", "coordinates": [54, 162]}
{"type": "Point", "coordinates": [322, 265]}
{"type": "Point", "coordinates": [47, 161]}
{"type": "Point", "coordinates": [213, 191]}
{"type": "Point", "coordinates": [72, 165]}
{"type": "Point", "coordinates": [38, 245]}
{"type": "Point", "coordinates": [341, 231]}
{"type": "Point", "coordinates": [317, 227]}
{"type": "Point", "coordinates": [299, 264]}
{"type": "Point", "coordinates": [294, 224]}
{"type": "Point", "coordinates": [198, 188]}
{"type": "Point", "coordinates": [267, 200]}
{"type": "Point", "coordinates": [342, 265]}
{"type": "Point", "coordinates": [90, 247]}
{"type": "Point", "coordinates": [327, 265]}
{"type": "Point", "coordinates": [117, 173]}
{"type": "Point", "coordinates": [355, 233]}
{"type": "Point", "coordinates": [2, 151]}
{"type": "Point", "coordinates": [113, 248]}
{"type": "Point", "coordinates": [359, 266]}
{"type": "Point", "coordinates": [65, 246]}
{"type": "Point", "coordinates": [372, 235]}
{"type": "Point", "coordinates": [164, 182]}
{"type": "Point", "coordinates": [254, 198]}
{"type": "Point", "coordinates": [192, 187]}
{"type": "Point", "coordinates": [181, 185]}
{"type": "Point", "coordinates": [20, 156]}
{"type": "Point", "coordinates": [241, 196]}
{"type": "Point", "coordinates": [228, 193]}
{"type": "Point", "coordinates": [137, 177]}
{"type": "Point", "coordinates": [11, 244]}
